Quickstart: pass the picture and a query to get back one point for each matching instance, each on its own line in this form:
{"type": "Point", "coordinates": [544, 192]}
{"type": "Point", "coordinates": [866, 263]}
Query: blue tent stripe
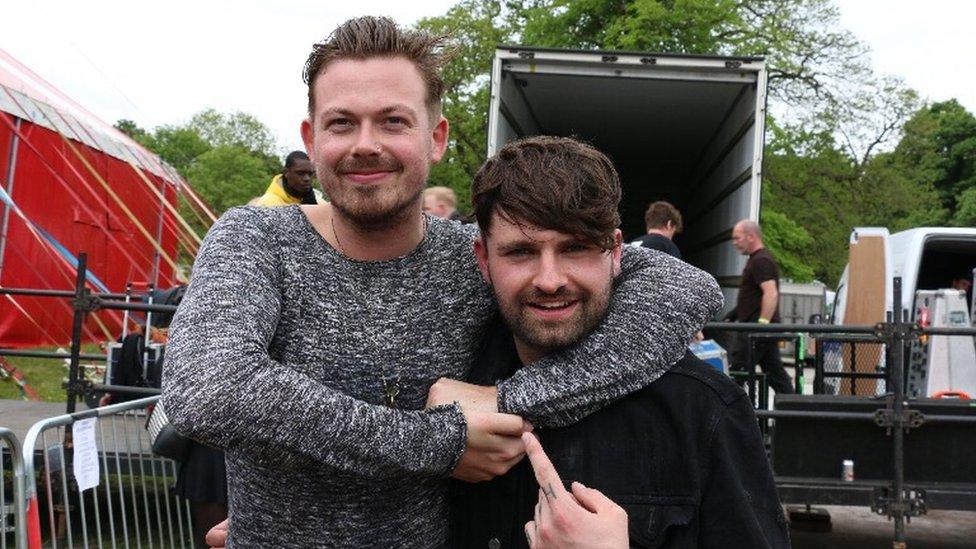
{"type": "Point", "coordinates": [54, 243]}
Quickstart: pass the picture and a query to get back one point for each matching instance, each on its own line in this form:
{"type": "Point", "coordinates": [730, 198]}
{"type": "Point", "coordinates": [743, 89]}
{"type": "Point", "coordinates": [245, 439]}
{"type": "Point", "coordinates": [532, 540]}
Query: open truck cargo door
{"type": "Point", "coordinates": [682, 128]}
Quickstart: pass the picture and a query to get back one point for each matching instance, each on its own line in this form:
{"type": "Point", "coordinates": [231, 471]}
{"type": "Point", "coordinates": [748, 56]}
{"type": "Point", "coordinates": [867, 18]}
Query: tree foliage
{"type": "Point", "coordinates": [810, 57]}
{"type": "Point", "coordinates": [477, 26]}
{"type": "Point", "coordinates": [939, 149]}
{"type": "Point", "coordinates": [789, 243]}
{"type": "Point", "coordinates": [228, 175]}
{"type": "Point", "coordinates": [227, 158]}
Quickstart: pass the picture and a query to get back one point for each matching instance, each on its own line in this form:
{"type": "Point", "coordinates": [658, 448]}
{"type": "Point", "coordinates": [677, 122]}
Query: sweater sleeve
{"type": "Point", "coordinates": [658, 304]}
{"type": "Point", "coordinates": [221, 387]}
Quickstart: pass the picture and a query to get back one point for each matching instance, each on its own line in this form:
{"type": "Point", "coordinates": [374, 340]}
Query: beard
{"type": "Point", "coordinates": [551, 336]}
{"type": "Point", "coordinates": [375, 206]}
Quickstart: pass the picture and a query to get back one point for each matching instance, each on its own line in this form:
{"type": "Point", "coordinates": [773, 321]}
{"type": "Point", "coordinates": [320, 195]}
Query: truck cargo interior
{"type": "Point", "coordinates": [679, 129]}
{"type": "Point", "coordinates": [946, 258]}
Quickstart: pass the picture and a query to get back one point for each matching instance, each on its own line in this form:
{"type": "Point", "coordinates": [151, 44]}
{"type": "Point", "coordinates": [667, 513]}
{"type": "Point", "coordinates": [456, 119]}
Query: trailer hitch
{"type": "Point", "coordinates": [912, 504]}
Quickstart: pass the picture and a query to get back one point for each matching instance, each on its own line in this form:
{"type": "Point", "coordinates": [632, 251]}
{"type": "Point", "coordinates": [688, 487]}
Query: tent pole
{"type": "Point", "coordinates": [9, 187]}
{"type": "Point", "coordinates": [159, 234]}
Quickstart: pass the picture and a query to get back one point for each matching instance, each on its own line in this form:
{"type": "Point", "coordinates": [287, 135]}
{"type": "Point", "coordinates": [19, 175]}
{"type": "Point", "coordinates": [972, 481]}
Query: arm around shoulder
{"type": "Point", "coordinates": [221, 387]}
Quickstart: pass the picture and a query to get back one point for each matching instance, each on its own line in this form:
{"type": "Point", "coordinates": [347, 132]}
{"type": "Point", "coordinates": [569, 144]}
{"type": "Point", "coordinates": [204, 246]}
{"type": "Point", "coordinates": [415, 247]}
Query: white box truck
{"type": "Point", "coordinates": [683, 128]}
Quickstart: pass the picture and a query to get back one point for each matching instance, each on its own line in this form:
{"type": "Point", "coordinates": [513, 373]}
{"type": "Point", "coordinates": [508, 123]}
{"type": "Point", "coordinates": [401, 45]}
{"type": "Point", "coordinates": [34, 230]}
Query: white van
{"type": "Point", "coordinates": [928, 260]}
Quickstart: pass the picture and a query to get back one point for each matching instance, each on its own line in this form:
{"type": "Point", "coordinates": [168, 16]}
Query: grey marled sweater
{"type": "Point", "coordinates": [278, 351]}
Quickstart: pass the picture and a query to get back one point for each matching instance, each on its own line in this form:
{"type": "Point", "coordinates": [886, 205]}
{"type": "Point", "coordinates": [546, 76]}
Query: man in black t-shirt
{"type": "Point", "coordinates": [663, 222]}
{"type": "Point", "coordinates": [758, 302]}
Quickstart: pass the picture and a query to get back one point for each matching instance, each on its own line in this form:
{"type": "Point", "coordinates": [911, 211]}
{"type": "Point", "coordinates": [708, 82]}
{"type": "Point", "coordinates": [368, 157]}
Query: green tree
{"type": "Point", "coordinates": [179, 146]}
{"type": "Point", "coordinates": [817, 183]}
{"type": "Point", "coordinates": [133, 130]}
{"type": "Point", "coordinates": [228, 176]}
{"type": "Point", "coordinates": [789, 243]}
{"type": "Point", "coordinates": [477, 26]}
{"type": "Point", "coordinates": [939, 149]}
{"type": "Point", "coordinates": [966, 209]}
{"type": "Point", "coordinates": [237, 129]}
{"type": "Point", "coordinates": [810, 57]}
{"type": "Point", "coordinates": [207, 146]}
{"type": "Point", "coordinates": [811, 182]}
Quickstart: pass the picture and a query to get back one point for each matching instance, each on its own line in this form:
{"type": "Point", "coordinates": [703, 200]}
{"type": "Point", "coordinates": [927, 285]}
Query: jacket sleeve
{"type": "Point", "coordinates": [221, 387]}
{"type": "Point", "coordinates": [740, 506]}
{"type": "Point", "coordinates": [658, 304]}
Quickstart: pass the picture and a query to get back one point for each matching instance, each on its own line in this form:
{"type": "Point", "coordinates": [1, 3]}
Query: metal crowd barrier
{"type": "Point", "coordinates": [13, 510]}
{"type": "Point", "coordinates": [131, 507]}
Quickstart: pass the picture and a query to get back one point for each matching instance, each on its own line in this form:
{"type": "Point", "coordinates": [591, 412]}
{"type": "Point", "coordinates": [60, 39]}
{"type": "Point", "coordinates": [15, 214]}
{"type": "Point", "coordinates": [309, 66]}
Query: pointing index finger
{"type": "Point", "coordinates": [545, 472]}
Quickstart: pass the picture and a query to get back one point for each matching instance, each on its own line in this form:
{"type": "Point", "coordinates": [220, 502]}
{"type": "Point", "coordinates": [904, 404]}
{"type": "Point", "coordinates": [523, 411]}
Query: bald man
{"type": "Point", "coordinates": [759, 302]}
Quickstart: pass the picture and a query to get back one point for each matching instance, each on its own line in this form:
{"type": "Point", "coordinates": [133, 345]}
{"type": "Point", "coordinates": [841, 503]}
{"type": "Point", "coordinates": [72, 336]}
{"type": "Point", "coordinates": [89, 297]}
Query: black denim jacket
{"type": "Point", "coordinates": [683, 456]}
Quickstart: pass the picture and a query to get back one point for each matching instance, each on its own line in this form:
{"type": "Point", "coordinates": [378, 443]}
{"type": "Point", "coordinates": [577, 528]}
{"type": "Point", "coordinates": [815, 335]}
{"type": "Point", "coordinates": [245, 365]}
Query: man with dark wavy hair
{"type": "Point", "coordinates": [680, 463]}
{"type": "Point", "coordinates": [311, 336]}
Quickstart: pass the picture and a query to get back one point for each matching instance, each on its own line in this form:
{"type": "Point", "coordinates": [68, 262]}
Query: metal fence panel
{"type": "Point", "coordinates": [13, 500]}
{"type": "Point", "coordinates": [131, 507]}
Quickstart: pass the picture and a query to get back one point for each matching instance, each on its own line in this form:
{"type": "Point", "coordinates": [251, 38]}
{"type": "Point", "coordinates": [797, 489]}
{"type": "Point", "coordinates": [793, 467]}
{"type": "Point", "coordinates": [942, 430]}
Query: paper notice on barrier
{"type": "Point", "coordinates": [86, 453]}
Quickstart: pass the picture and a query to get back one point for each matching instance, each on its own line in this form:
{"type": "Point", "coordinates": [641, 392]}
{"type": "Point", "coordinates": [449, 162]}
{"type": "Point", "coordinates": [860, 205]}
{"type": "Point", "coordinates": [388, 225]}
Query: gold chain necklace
{"type": "Point", "coordinates": [391, 387]}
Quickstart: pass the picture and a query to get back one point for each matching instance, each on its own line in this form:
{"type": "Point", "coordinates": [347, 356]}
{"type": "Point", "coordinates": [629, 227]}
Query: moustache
{"type": "Point", "coordinates": [369, 163]}
{"type": "Point", "coordinates": [534, 295]}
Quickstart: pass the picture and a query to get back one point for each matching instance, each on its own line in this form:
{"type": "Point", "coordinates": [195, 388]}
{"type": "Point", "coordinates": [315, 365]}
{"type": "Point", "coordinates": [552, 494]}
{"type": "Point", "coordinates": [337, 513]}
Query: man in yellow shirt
{"type": "Point", "coordinates": [294, 185]}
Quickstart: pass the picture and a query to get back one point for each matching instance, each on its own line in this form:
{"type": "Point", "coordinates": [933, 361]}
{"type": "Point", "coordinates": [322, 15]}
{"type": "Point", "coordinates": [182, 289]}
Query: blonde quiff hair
{"type": "Point", "coordinates": [368, 37]}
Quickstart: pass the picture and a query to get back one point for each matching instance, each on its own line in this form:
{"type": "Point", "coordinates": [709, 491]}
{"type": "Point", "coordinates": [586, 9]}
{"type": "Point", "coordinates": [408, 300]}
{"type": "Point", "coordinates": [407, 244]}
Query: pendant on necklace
{"type": "Point", "coordinates": [390, 392]}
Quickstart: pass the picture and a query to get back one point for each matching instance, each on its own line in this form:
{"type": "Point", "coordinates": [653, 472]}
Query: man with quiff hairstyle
{"type": "Point", "coordinates": [311, 365]}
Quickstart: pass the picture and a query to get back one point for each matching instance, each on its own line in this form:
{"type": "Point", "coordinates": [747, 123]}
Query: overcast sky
{"type": "Point", "coordinates": [159, 63]}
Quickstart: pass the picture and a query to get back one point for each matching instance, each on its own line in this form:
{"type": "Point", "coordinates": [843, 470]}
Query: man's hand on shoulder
{"type": "Point", "coordinates": [474, 398]}
{"type": "Point", "coordinates": [494, 445]}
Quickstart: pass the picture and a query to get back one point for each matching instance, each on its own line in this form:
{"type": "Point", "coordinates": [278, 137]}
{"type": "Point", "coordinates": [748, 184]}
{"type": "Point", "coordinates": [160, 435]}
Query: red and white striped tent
{"type": "Point", "coordinates": [70, 183]}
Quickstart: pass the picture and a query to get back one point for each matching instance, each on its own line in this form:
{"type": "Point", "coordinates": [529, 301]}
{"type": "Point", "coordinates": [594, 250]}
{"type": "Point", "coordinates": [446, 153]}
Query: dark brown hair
{"type": "Point", "coordinates": [553, 183]}
{"type": "Point", "coordinates": [367, 37]}
{"type": "Point", "coordinates": [659, 213]}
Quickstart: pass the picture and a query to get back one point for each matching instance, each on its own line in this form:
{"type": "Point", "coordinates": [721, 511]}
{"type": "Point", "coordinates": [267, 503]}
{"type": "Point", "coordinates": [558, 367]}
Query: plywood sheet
{"type": "Point", "coordinates": [865, 303]}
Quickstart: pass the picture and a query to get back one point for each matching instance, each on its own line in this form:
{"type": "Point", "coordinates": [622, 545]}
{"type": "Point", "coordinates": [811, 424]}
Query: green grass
{"type": "Point", "coordinates": [44, 375]}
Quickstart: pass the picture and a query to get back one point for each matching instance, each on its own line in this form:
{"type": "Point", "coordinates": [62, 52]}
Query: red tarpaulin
{"type": "Point", "coordinates": [69, 183]}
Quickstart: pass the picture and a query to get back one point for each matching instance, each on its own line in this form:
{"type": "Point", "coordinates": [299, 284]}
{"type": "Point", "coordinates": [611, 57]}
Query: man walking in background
{"type": "Point", "coordinates": [663, 221]}
{"type": "Point", "coordinates": [758, 302]}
